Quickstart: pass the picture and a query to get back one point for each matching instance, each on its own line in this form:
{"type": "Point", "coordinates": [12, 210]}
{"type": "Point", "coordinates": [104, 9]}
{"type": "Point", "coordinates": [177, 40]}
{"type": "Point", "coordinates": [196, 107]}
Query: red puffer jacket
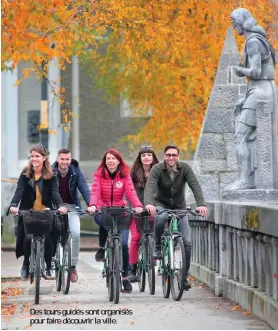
{"type": "Point", "coordinates": [108, 192]}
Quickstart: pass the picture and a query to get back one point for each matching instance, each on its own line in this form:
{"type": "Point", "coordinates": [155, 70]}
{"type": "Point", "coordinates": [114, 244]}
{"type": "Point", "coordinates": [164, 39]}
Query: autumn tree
{"type": "Point", "coordinates": [160, 54]}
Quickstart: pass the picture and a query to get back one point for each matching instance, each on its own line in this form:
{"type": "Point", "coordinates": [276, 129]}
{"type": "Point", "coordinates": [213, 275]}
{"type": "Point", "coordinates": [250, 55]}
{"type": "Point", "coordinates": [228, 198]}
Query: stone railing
{"type": "Point", "coordinates": [235, 252]}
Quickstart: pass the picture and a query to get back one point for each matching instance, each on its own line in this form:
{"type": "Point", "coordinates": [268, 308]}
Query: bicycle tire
{"type": "Point", "coordinates": [32, 263]}
{"type": "Point", "coordinates": [58, 267]}
{"type": "Point", "coordinates": [140, 269]}
{"type": "Point", "coordinates": [177, 291]}
{"type": "Point", "coordinates": [38, 272]}
{"type": "Point", "coordinates": [151, 264]}
{"type": "Point", "coordinates": [109, 274]}
{"type": "Point", "coordinates": [116, 270]}
{"type": "Point", "coordinates": [66, 267]}
{"type": "Point", "coordinates": [165, 275]}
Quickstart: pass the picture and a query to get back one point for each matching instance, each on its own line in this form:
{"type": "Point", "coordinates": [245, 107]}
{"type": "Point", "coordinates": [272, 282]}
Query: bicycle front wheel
{"type": "Point", "coordinates": [66, 267]}
{"type": "Point", "coordinates": [140, 270]}
{"type": "Point", "coordinates": [177, 274]}
{"type": "Point", "coordinates": [151, 269]}
{"type": "Point", "coordinates": [109, 274]}
{"type": "Point", "coordinates": [165, 268]}
{"type": "Point", "coordinates": [58, 266]}
{"type": "Point", "coordinates": [116, 270]}
{"type": "Point", "coordinates": [38, 271]}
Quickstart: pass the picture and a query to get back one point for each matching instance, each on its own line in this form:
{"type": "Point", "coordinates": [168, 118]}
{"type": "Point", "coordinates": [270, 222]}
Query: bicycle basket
{"type": "Point", "coordinates": [37, 222]}
{"type": "Point", "coordinates": [143, 223]}
{"type": "Point", "coordinates": [119, 215]}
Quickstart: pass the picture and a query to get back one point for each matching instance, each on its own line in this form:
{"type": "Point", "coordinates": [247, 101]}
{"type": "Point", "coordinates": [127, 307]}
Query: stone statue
{"type": "Point", "coordinates": [258, 66]}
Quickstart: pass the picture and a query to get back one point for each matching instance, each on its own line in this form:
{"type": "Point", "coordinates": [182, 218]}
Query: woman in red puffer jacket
{"type": "Point", "coordinates": [111, 185]}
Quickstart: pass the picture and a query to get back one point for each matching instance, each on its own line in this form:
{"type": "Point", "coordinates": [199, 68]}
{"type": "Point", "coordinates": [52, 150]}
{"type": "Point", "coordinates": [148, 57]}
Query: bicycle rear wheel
{"type": "Point", "coordinates": [58, 266]}
{"type": "Point", "coordinates": [177, 275]}
{"type": "Point", "coordinates": [116, 271]}
{"type": "Point", "coordinates": [38, 271]}
{"type": "Point", "coordinates": [151, 269]}
{"type": "Point", "coordinates": [66, 267]}
{"type": "Point", "coordinates": [140, 269]}
{"type": "Point", "coordinates": [165, 273]}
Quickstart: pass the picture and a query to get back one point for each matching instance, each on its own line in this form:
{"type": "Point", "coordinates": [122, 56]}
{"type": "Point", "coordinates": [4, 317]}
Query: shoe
{"type": "Point", "coordinates": [157, 253]}
{"type": "Point", "coordinates": [127, 287]}
{"type": "Point", "coordinates": [187, 286]}
{"type": "Point", "coordinates": [49, 274]}
{"type": "Point", "coordinates": [100, 254]}
{"type": "Point", "coordinates": [24, 272]}
{"type": "Point", "coordinates": [132, 277]}
{"type": "Point", "coordinates": [73, 275]}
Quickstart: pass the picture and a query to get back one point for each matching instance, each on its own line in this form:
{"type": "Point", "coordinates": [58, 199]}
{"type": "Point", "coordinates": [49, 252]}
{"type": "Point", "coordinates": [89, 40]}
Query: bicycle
{"type": "Point", "coordinates": [146, 263]}
{"type": "Point", "coordinates": [173, 262]}
{"type": "Point", "coordinates": [38, 224]}
{"type": "Point", "coordinates": [64, 253]}
{"type": "Point", "coordinates": [114, 220]}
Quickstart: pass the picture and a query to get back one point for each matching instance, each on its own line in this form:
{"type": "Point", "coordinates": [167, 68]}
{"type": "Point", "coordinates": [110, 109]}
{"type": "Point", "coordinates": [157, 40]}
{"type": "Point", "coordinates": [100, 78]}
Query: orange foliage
{"type": "Point", "coordinates": [160, 54]}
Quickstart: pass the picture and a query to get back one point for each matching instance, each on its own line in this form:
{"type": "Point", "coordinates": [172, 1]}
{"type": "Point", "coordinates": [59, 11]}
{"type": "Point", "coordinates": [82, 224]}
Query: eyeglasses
{"type": "Point", "coordinates": [171, 155]}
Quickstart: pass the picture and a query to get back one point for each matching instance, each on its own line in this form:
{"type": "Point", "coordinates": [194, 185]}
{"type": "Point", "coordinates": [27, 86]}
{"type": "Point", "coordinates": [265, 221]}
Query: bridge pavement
{"type": "Point", "coordinates": [198, 309]}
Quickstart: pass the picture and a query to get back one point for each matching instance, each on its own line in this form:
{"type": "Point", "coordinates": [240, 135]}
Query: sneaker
{"type": "Point", "coordinates": [127, 287]}
{"type": "Point", "coordinates": [157, 253]}
{"type": "Point", "coordinates": [73, 275]}
{"type": "Point", "coordinates": [24, 273]}
{"type": "Point", "coordinates": [49, 274]}
{"type": "Point", "coordinates": [100, 254]}
{"type": "Point", "coordinates": [187, 286]}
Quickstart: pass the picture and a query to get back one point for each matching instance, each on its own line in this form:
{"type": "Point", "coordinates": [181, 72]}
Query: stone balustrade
{"type": "Point", "coordinates": [235, 252]}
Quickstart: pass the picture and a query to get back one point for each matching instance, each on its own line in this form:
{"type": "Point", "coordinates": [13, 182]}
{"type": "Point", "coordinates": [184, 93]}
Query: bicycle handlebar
{"type": "Point", "coordinates": [179, 211]}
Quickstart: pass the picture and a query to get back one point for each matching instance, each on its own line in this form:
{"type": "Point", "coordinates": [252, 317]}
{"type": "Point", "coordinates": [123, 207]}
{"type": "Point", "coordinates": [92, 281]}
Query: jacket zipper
{"type": "Point", "coordinates": [112, 189]}
{"type": "Point", "coordinates": [70, 190]}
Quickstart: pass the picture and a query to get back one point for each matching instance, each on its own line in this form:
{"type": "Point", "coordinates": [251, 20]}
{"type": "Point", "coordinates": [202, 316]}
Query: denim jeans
{"type": "Point", "coordinates": [183, 227]}
{"type": "Point", "coordinates": [102, 239]}
{"type": "Point", "coordinates": [74, 225]}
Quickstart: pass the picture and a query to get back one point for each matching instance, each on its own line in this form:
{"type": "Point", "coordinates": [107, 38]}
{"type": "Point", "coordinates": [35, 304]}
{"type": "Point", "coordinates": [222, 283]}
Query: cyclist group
{"type": "Point", "coordinates": [150, 183]}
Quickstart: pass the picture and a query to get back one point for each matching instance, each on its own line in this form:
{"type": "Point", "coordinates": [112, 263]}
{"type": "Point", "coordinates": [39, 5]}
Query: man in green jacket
{"type": "Point", "coordinates": [165, 188]}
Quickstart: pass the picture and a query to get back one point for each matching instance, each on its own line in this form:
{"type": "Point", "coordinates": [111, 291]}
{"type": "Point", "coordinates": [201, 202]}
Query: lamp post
{"type": "Point", "coordinates": [44, 111]}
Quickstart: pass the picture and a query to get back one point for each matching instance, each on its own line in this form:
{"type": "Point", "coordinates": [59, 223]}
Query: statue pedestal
{"type": "Point", "coordinates": [265, 195]}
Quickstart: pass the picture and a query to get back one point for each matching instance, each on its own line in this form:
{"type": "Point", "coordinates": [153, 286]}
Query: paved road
{"type": "Point", "coordinates": [88, 303]}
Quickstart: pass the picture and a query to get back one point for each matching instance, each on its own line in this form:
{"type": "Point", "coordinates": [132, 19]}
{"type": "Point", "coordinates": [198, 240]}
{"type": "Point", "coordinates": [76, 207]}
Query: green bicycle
{"type": "Point", "coordinates": [172, 266]}
{"type": "Point", "coordinates": [146, 263]}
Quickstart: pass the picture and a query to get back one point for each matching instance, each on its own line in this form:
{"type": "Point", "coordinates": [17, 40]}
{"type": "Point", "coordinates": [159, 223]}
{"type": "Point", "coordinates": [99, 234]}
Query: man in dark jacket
{"type": "Point", "coordinates": [165, 188]}
{"type": "Point", "coordinates": [70, 179]}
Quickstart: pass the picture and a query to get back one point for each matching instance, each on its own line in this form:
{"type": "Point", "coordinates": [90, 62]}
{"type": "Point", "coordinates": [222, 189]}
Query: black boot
{"type": "Point", "coordinates": [132, 277]}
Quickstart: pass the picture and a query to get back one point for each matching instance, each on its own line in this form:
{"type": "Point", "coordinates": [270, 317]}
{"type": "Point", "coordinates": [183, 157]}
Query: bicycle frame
{"type": "Point", "coordinates": [170, 232]}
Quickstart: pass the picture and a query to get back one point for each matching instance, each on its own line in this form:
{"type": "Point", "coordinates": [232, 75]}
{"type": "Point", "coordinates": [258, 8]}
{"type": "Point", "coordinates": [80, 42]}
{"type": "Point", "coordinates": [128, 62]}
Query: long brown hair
{"type": "Point", "coordinates": [137, 172]}
{"type": "Point", "coordinates": [47, 171]}
{"type": "Point", "coordinates": [122, 167]}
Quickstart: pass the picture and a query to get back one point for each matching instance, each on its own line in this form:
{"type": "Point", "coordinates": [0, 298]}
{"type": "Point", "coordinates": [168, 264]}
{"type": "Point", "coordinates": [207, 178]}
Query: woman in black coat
{"type": "Point", "coordinates": [37, 189]}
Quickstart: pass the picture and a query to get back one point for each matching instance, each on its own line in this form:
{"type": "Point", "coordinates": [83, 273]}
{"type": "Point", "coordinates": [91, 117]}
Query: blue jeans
{"type": "Point", "coordinates": [102, 239]}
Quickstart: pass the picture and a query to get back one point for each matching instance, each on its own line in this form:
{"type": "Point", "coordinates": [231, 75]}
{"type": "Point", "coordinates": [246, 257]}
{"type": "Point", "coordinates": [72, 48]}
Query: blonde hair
{"type": "Point", "coordinates": [47, 171]}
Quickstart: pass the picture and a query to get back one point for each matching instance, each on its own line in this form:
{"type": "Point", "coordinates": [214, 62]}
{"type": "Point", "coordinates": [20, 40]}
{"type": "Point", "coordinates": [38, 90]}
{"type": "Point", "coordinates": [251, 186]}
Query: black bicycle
{"type": "Point", "coordinates": [64, 252]}
{"type": "Point", "coordinates": [146, 263]}
{"type": "Point", "coordinates": [38, 225]}
{"type": "Point", "coordinates": [114, 220]}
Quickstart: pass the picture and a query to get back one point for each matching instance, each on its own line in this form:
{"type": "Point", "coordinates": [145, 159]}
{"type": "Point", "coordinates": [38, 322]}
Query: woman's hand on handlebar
{"type": "Point", "coordinates": [14, 210]}
{"type": "Point", "coordinates": [151, 209]}
{"type": "Point", "coordinates": [92, 209]}
{"type": "Point", "coordinates": [63, 210]}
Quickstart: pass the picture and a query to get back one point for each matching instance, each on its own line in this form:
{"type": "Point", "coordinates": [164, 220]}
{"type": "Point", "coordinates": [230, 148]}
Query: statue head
{"type": "Point", "coordinates": [242, 20]}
